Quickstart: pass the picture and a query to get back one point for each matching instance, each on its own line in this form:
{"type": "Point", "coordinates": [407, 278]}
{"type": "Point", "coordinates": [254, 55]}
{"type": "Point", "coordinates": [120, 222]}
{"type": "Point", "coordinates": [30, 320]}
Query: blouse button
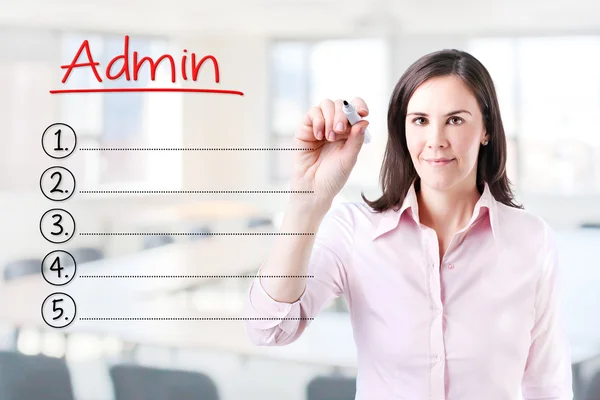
{"type": "Point", "coordinates": [451, 266]}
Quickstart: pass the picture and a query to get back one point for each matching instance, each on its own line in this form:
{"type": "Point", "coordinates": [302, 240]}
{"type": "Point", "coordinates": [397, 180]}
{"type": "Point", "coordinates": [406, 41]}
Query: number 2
{"type": "Point", "coordinates": [55, 188]}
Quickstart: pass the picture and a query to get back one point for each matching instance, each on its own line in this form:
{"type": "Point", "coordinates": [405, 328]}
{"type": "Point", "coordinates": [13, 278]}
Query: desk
{"type": "Point", "coordinates": [124, 297]}
{"type": "Point", "coordinates": [213, 255]}
{"type": "Point", "coordinates": [328, 341]}
{"type": "Point", "coordinates": [579, 274]}
{"type": "Point", "coordinates": [200, 211]}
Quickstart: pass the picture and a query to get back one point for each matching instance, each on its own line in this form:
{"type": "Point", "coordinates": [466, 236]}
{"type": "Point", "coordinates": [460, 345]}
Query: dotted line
{"type": "Point", "coordinates": [193, 149]}
{"type": "Point", "coordinates": [194, 319]}
{"type": "Point", "coordinates": [195, 276]}
{"type": "Point", "coordinates": [196, 191]}
{"type": "Point", "coordinates": [195, 234]}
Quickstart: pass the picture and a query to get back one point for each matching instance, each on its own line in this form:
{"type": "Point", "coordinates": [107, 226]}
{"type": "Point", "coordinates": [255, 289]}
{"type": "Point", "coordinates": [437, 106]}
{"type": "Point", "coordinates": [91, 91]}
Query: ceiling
{"type": "Point", "coordinates": [307, 17]}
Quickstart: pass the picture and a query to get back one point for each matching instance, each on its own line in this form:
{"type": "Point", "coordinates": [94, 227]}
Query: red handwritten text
{"type": "Point", "coordinates": [131, 69]}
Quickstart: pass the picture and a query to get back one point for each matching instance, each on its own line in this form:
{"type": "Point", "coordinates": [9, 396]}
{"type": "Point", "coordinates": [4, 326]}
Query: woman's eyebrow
{"type": "Point", "coordinates": [447, 115]}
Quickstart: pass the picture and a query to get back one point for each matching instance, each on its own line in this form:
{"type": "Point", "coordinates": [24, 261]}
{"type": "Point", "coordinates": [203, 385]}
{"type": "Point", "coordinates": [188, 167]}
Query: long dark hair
{"type": "Point", "coordinates": [397, 170]}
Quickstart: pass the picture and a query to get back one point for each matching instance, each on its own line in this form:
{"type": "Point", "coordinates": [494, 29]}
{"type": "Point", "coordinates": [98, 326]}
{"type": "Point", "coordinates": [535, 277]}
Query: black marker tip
{"type": "Point", "coordinates": [345, 103]}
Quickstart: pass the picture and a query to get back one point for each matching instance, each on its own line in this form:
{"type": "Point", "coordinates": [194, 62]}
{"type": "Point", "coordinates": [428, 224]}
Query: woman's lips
{"type": "Point", "coordinates": [439, 163]}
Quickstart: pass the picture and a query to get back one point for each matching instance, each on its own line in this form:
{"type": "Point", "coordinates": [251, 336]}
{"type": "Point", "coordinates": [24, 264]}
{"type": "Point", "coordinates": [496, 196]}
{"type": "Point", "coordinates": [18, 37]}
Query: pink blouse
{"type": "Point", "coordinates": [483, 323]}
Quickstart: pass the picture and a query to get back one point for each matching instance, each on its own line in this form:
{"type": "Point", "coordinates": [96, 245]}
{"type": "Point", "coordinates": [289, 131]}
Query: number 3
{"type": "Point", "coordinates": [57, 224]}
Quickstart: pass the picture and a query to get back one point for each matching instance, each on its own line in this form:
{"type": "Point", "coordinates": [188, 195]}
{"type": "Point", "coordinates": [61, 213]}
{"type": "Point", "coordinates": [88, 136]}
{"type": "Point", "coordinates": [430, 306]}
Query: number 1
{"type": "Point", "coordinates": [57, 133]}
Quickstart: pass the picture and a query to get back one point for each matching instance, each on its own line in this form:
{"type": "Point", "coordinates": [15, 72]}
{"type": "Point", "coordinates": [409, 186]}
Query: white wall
{"type": "Point", "coordinates": [216, 120]}
{"type": "Point", "coordinates": [208, 120]}
{"type": "Point", "coordinates": [308, 17]}
{"type": "Point", "coordinates": [561, 212]}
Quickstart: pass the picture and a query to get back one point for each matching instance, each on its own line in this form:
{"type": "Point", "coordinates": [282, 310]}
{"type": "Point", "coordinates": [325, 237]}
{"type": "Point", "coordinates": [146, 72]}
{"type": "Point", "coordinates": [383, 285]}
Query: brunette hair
{"type": "Point", "coordinates": [397, 170]}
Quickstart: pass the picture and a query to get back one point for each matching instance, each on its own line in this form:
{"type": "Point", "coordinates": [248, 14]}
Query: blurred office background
{"type": "Point", "coordinates": [285, 56]}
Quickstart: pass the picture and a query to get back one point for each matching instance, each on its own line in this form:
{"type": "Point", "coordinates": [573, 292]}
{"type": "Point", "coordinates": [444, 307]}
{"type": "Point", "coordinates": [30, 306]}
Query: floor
{"type": "Point", "coordinates": [235, 378]}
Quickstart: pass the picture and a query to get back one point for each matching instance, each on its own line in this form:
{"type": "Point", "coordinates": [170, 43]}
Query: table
{"type": "Point", "coordinates": [139, 298]}
{"type": "Point", "coordinates": [327, 342]}
{"type": "Point", "coordinates": [213, 255]}
{"type": "Point", "coordinates": [199, 211]}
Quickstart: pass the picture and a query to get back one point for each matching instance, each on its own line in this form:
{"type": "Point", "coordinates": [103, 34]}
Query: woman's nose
{"type": "Point", "coordinates": [436, 137]}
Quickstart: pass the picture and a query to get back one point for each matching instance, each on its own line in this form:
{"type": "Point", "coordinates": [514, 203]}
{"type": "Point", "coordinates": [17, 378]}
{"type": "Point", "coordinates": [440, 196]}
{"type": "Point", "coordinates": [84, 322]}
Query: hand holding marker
{"type": "Point", "coordinates": [353, 118]}
{"type": "Point", "coordinates": [328, 151]}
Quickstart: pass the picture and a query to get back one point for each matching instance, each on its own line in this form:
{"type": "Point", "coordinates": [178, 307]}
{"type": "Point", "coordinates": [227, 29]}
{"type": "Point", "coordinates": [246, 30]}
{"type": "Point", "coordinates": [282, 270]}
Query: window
{"type": "Point", "coordinates": [122, 120]}
{"type": "Point", "coordinates": [288, 100]}
{"type": "Point", "coordinates": [304, 73]}
{"type": "Point", "coordinates": [28, 62]}
{"type": "Point", "coordinates": [548, 89]}
{"type": "Point", "coordinates": [549, 92]}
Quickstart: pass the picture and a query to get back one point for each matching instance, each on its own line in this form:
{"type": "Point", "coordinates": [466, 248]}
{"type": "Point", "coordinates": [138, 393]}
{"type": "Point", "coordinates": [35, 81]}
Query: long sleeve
{"type": "Point", "coordinates": [548, 370]}
{"type": "Point", "coordinates": [328, 263]}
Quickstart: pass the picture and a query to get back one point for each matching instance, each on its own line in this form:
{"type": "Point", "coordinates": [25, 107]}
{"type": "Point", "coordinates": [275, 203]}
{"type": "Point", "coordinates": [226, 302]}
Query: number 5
{"type": "Point", "coordinates": [55, 308]}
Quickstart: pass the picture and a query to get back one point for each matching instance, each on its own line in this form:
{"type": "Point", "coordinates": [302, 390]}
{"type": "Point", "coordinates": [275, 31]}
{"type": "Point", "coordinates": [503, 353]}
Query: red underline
{"type": "Point", "coordinates": [59, 91]}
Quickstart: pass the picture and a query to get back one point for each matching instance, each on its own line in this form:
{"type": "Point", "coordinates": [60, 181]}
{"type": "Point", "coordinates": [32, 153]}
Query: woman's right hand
{"type": "Point", "coordinates": [332, 146]}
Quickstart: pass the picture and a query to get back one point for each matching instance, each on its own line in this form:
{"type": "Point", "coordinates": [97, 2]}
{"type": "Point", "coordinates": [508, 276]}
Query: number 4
{"type": "Point", "coordinates": [56, 266]}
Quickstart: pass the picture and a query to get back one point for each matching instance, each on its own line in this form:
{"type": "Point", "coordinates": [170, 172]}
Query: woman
{"type": "Point", "coordinates": [451, 286]}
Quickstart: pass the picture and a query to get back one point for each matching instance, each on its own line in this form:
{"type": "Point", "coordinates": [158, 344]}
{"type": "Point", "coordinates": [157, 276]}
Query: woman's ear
{"type": "Point", "coordinates": [486, 139]}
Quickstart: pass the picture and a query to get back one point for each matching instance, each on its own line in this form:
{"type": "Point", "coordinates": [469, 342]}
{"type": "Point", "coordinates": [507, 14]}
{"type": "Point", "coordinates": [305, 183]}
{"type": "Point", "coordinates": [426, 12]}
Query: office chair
{"type": "Point", "coordinates": [331, 388]}
{"type": "Point", "coordinates": [85, 254]}
{"type": "Point", "coordinates": [135, 382]}
{"type": "Point", "coordinates": [23, 267]}
{"type": "Point", "coordinates": [24, 377]}
{"type": "Point", "coordinates": [14, 270]}
{"type": "Point", "coordinates": [258, 222]}
{"type": "Point", "coordinates": [593, 390]}
{"type": "Point", "coordinates": [590, 225]}
{"type": "Point", "coordinates": [204, 230]}
{"type": "Point", "coordinates": [151, 242]}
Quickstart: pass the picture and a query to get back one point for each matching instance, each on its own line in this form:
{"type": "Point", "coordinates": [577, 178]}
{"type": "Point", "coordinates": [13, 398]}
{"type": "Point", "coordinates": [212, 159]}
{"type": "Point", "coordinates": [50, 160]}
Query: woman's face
{"type": "Point", "coordinates": [443, 121]}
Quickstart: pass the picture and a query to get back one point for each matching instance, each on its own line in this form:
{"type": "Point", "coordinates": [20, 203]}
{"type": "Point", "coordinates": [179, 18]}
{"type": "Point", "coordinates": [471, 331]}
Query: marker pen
{"type": "Point", "coordinates": [353, 118]}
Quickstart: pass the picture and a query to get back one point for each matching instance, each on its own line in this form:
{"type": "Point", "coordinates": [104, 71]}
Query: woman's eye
{"type": "Point", "coordinates": [454, 121]}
